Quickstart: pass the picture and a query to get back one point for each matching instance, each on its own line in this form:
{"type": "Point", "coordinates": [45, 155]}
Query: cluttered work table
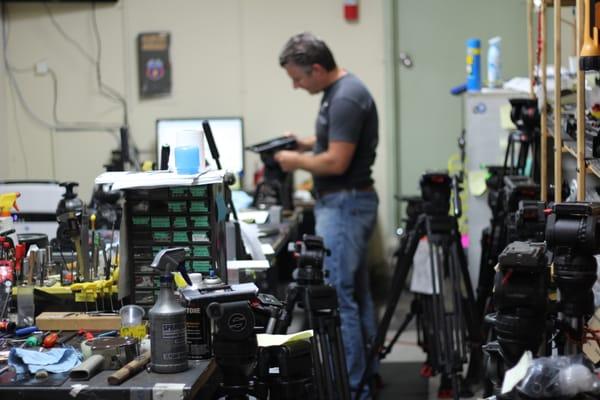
{"type": "Point", "coordinates": [189, 384]}
{"type": "Point", "coordinates": [181, 215]}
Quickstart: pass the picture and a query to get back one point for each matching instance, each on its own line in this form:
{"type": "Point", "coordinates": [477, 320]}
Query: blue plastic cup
{"type": "Point", "coordinates": [188, 158]}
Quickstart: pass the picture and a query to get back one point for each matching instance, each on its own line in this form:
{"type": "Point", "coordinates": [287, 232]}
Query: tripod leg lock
{"type": "Point", "coordinates": [426, 370]}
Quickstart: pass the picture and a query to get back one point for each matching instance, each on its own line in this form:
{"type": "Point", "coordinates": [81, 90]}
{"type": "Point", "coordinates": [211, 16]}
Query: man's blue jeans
{"type": "Point", "coordinates": [346, 220]}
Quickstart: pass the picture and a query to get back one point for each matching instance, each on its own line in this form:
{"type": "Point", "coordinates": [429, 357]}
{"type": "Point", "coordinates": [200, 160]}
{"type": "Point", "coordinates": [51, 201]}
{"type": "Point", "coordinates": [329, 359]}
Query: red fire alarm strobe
{"type": "Point", "coordinates": [351, 10]}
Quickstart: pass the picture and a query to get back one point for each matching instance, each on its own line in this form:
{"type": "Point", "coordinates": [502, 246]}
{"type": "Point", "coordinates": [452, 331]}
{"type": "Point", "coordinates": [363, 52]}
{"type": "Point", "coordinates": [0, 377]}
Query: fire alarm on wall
{"type": "Point", "coordinates": [351, 10]}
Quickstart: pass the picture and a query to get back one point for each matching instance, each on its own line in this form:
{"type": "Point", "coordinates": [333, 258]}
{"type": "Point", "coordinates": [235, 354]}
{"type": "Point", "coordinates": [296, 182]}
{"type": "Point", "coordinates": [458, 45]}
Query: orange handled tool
{"type": "Point", "coordinates": [50, 340]}
{"type": "Point", "coordinates": [590, 50]}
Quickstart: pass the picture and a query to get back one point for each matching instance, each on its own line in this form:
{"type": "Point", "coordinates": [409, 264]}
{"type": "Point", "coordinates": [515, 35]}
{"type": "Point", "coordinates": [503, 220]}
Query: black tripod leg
{"type": "Point", "coordinates": [403, 264]}
{"type": "Point", "coordinates": [473, 324]}
{"type": "Point", "coordinates": [485, 281]}
{"type": "Point", "coordinates": [330, 374]}
{"type": "Point", "coordinates": [282, 325]}
{"type": "Point", "coordinates": [318, 361]}
{"type": "Point", "coordinates": [409, 317]}
{"type": "Point", "coordinates": [338, 356]}
{"type": "Point", "coordinates": [443, 341]}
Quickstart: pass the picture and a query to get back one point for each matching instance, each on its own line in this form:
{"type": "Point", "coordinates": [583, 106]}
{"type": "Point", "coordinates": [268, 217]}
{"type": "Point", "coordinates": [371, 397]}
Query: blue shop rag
{"type": "Point", "coordinates": [55, 360]}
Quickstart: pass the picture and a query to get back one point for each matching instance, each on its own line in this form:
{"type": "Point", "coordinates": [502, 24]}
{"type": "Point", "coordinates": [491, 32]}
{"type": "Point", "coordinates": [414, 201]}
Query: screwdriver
{"type": "Point", "coordinates": [33, 340]}
{"type": "Point", "coordinates": [86, 334]}
{"type": "Point", "coordinates": [50, 340]}
{"type": "Point", "coordinates": [67, 337]}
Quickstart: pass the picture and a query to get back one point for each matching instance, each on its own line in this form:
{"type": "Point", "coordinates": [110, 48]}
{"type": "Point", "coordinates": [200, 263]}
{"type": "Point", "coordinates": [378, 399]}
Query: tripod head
{"type": "Point", "coordinates": [573, 233]}
{"type": "Point", "coordinates": [310, 253]}
{"type": "Point", "coordinates": [520, 191]}
{"type": "Point", "coordinates": [414, 208]}
{"type": "Point", "coordinates": [435, 191]}
{"type": "Point", "coordinates": [437, 188]}
{"type": "Point", "coordinates": [525, 114]}
{"type": "Point", "coordinates": [529, 222]}
{"type": "Point", "coordinates": [235, 346]}
{"type": "Point", "coordinates": [277, 186]}
{"type": "Point", "coordinates": [521, 303]}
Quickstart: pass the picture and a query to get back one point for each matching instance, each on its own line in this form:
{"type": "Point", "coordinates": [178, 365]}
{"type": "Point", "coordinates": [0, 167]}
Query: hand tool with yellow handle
{"type": "Point", "coordinates": [108, 288]}
{"type": "Point", "coordinates": [589, 59]}
{"type": "Point", "coordinates": [91, 292]}
{"type": "Point", "coordinates": [80, 295]}
{"type": "Point", "coordinates": [104, 287]}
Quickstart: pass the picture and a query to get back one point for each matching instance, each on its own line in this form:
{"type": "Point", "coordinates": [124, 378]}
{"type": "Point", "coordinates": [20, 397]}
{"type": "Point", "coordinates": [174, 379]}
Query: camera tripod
{"type": "Point", "coordinates": [320, 305]}
{"type": "Point", "coordinates": [496, 236]}
{"type": "Point", "coordinates": [448, 321]}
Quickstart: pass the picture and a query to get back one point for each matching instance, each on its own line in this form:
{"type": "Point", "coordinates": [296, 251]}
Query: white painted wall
{"type": "Point", "coordinates": [4, 149]}
{"type": "Point", "coordinates": [224, 57]}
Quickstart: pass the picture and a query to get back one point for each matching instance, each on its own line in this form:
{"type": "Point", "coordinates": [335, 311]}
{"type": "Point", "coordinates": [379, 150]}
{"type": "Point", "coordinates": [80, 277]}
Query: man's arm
{"type": "Point", "coordinates": [334, 161]}
{"type": "Point", "coordinates": [306, 143]}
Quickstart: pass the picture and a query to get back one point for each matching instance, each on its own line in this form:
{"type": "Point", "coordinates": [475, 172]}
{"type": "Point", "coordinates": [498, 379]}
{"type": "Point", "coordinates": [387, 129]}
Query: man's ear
{"type": "Point", "coordinates": [318, 69]}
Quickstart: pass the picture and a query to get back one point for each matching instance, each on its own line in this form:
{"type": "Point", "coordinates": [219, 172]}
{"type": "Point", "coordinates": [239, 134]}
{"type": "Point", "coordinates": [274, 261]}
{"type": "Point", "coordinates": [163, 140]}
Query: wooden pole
{"type": "Point", "coordinates": [544, 121]}
{"type": "Point", "coordinates": [530, 47]}
{"type": "Point", "coordinates": [558, 145]}
{"type": "Point", "coordinates": [581, 171]}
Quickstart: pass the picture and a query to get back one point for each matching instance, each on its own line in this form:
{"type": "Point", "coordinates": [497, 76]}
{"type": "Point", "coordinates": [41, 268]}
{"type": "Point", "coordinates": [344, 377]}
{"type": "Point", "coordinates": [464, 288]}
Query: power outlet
{"type": "Point", "coordinates": [41, 67]}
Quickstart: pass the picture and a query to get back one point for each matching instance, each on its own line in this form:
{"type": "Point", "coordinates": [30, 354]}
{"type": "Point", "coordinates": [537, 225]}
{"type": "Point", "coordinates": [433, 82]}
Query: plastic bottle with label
{"type": "Point", "coordinates": [494, 63]}
{"type": "Point", "coordinates": [473, 65]}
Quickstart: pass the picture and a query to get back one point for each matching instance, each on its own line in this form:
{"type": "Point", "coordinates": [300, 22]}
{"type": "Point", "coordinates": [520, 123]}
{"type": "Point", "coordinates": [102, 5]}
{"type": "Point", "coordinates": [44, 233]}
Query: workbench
{"type": "Point", "coordinates": [191, 384]}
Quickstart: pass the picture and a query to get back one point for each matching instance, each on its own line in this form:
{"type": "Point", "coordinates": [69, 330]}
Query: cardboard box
{"type": "Point", "coordinates": [73, 321]}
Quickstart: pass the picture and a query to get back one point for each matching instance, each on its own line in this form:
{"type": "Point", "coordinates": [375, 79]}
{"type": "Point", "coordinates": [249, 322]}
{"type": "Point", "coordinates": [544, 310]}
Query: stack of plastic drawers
{"type": "Point", "coordinates": [181, 216]}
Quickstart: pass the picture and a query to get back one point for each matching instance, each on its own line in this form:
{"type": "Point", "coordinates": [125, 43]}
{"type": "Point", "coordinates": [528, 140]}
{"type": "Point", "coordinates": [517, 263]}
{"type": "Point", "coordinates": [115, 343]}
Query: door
{"type": "Point", "coordinates": [430, 43]}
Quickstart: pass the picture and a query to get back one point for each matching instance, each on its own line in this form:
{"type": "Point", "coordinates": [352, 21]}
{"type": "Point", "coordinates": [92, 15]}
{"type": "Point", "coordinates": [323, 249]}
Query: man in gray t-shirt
{"type": "Point", "coordinates": [340, 157]}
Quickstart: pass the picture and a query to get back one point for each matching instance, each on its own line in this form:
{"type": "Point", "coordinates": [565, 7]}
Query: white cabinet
{"type": "Point", "coordinates": [485, 145]}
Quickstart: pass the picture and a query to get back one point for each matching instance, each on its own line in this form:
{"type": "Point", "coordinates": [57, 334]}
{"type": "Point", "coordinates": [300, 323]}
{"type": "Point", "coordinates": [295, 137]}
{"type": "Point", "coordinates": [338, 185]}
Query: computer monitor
{"type": "Point", "coordinates": [227, 131]}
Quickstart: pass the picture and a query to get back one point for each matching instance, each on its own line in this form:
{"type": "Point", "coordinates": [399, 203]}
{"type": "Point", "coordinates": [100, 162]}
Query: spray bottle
{"type": "Point", "coordinates": [169, 353]}
{"type": "Point", "coordinates": [8, 201]}
{"type": "Point", "coordinates": [494, 63]}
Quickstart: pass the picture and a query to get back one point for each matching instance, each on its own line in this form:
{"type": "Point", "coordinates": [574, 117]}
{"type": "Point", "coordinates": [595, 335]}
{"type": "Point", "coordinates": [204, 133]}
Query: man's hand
{"type": "Point", "coordinates": [305, 143]}
{"type": "Point", "coordinates": [288, 160]}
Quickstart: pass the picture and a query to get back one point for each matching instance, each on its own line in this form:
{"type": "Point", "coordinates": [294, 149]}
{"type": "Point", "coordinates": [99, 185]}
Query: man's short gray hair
{"type": "Point", "coordinates": [304, 50]}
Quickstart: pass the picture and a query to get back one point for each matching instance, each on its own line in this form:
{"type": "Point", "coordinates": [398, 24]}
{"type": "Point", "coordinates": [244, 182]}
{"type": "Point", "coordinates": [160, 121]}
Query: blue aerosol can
{"type": "Point", "coordinates": [473, 65]}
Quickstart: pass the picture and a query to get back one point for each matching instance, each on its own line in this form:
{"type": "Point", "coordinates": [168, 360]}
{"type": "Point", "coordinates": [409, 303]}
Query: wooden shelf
{"type": "Point", "coordinates": [569, 146]}
{"type": "Point", "coordinates": [563, 3]}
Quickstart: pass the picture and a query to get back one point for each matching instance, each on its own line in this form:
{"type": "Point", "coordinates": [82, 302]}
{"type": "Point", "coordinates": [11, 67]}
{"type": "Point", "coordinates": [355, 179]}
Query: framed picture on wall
{"type": "Point", "coordinates": [154, 64]}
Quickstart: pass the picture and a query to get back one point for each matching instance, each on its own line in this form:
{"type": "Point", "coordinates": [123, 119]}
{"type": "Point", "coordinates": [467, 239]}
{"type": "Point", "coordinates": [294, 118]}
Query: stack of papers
{"type": "Point", "coordinates": [267, 339]}
{"type": "Point", "coordinates": [130, 180]}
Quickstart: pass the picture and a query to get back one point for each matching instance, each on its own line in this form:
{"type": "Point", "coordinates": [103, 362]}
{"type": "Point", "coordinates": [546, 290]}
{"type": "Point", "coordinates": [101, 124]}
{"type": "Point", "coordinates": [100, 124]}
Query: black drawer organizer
{"type": "Point", "coordinates": [179, 216]}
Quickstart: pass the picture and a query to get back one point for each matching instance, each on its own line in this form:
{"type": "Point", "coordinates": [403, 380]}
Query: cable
{"type": "Point", "coordinates": [19, 133]}
{"type": "Point", "coordinates": [9, 70]}
{"type": "Point", "coordinates": [54, 96]}
{"type": "Point", "coordinates": [61, 124]}
{"type": "Point", "coordinates": [110, 92]}
{"type": "Point", "coordinates": [105, 89]}
{"type": "Point", "coordinates": [79, 126]}
{"type": "Point", "coordinates": [66, 36]}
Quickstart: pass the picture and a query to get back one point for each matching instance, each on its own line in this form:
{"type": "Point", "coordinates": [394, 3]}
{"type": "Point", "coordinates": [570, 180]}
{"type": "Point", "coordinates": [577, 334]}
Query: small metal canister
{"type": "Point", "coordinates": [116, 351]}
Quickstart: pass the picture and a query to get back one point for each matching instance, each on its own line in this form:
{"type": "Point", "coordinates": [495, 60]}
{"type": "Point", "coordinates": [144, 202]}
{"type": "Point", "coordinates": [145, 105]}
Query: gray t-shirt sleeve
{"type": "Point", "coordinates": [345, 121]}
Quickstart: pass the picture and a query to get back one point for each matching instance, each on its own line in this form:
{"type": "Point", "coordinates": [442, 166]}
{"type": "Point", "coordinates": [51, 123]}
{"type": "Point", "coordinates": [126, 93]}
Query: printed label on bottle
{"type": "Point", "coordinates": [174, 356]}
{"type": "Point", "coordinates": [173, 330]}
